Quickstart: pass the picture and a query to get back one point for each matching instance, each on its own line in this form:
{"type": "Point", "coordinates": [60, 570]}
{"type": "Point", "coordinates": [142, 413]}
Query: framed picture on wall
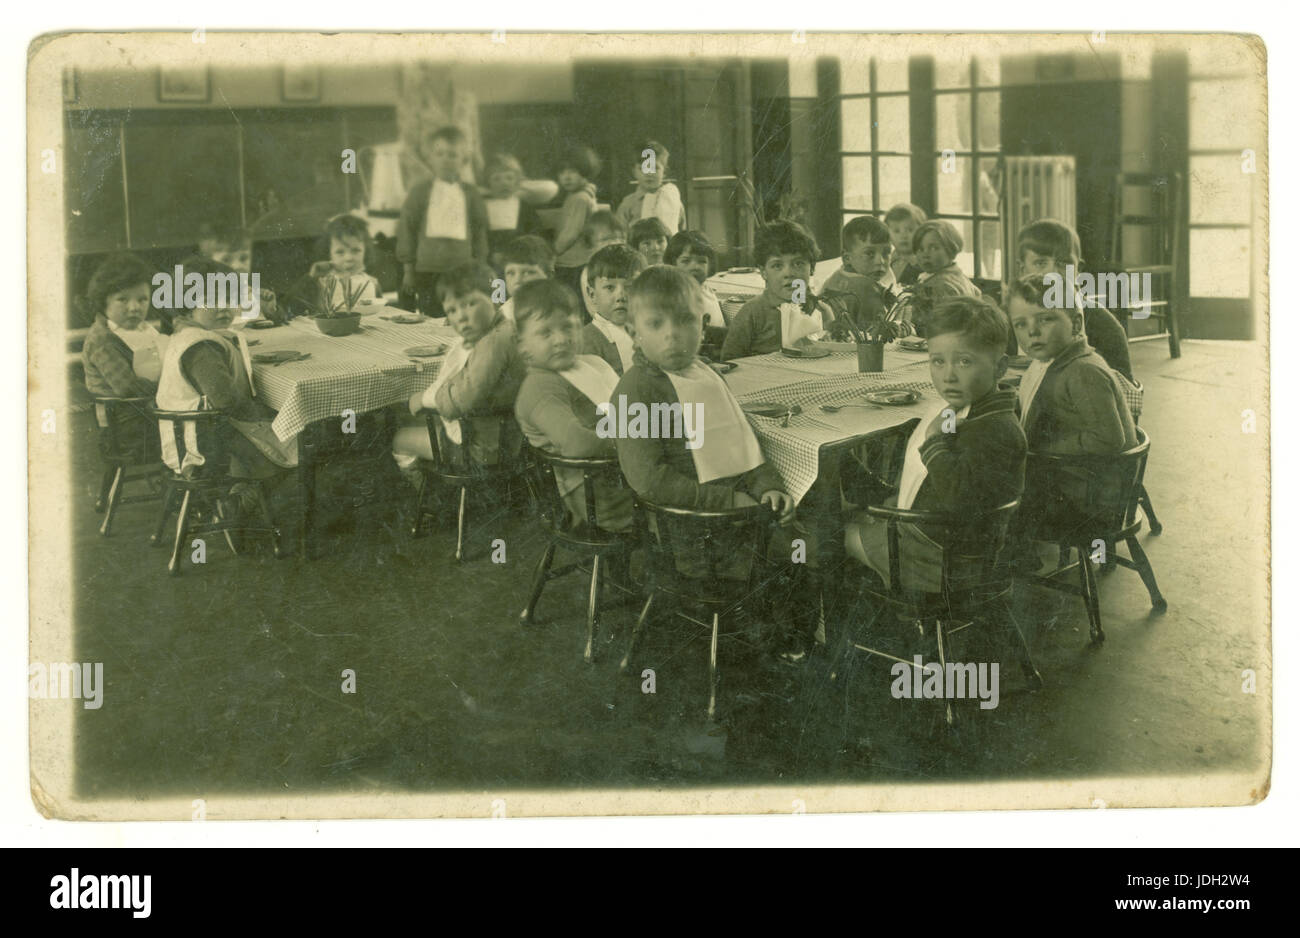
{"type": "Point", "coordinates": [301, 83]}
{"type": "Point", "coordinates": [183, 84]}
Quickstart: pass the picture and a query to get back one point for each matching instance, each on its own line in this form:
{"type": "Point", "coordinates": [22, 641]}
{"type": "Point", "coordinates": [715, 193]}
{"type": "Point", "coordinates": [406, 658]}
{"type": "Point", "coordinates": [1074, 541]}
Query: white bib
{"type": "Point", "coordinates": [618, 335]}
{"type": "Point", "coordinates": [457, 356]}
{"type": "Point", "coordinates": [147, 347]}
{"type": "Point", "coordinates": [503, 214]}
{"type": "Point", "coordinates": [1030, 382]}
{"type": "Point", "coordinates": [796, 324]}
{"type": "Point", "coordinates": [593, 377]}
{"type": "Point", "coordinates": [914, 471]}
{"type": "Point", "coordinates": [728, 445]}
{"type": "Point", "coordinates": [447, 216]}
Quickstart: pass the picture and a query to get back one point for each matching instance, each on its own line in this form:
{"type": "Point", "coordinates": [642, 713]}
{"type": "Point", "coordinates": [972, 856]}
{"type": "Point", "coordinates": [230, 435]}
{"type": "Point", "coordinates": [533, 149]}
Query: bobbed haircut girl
{"type": "Point", "coordinates": [115, 273]}
{"type": "Point", "coordinates": [949, 237]}
{"type": "Point", "coordinates": [691, 242]}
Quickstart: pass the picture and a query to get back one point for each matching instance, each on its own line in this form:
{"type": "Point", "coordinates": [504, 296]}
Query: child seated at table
{"type": "Point", "coordinates": [609, 272]}
{"type": "Point", "coordinates": [902, 220]}
{"type": "Point", "coordinates": [478, 380]}
{"type": "Point", "coordinates": [557, 402]}
{"type": "Point", "coordinates": [577, 172]}
{"type": "Point", "coordinates": [234, 248]}
{"type": "Point", "coordinates": [715, 464]}
{"type": "Point", "coordinates": [785, 254]}
{"type": "Point", "coordinates": [866, 274]}
{"type": "Point", "coordinates": [653, 197]}
{"type": "Point", "coordinates": [331, 282]}
{"type": "Point", "coordinates": [937, 244]}
{"type": "Point", "coordinates": [603, 228]}
{"type": "Point", "coordinates": [1047, 246]}
{"type": "Point", "coordinates": [123, 352]}
{"type": "Point", "coordinates": [525, 259]}
{"type": "Point", "coordinates": [444, 224]}
{"type": "Point", "coordinates": [508, 215]}
{"type": "Point", "coordinates": [650, 237]}
{"type": "Point", "coordinates": [692, 252]}
{"type": "Point", "coordinates": [967, 453]}
{"type": "Point", "coordinates": [206, 366]}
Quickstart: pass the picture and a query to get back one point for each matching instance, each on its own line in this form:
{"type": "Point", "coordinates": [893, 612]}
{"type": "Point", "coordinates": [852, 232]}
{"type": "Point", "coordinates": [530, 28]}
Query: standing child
{"type": "Point", "coordinates": [650, 237]}
{"type": "Point", "coordinates": [902, 221]}
{"type": "Point", "coordinates": [602, 229]}
{"type": "Point", "coordinates": [692, 252]}
{"type": "Point", "coordinates": [653, 197]}
{"type": "Point", "coordinates": [1047, 246]}
{"type": "Point", "coordinates": [509, 216]}
{"type": "Point", "coordinates": [966, 455]}
{"type": "Point", "coordinates": [525, 259]}
{"type": "Point", "coordinates": [785, 254]}
{"type": "Point", "coordinates": [577, 174]}
{"type": "Point", "coordinates": [478, 380]}
{"type": "Point", "coordinates": [557, 403]}
{"type": "Point", "coordinates": [444, 223]}
{"type": "Point", "coordinates": [609, 272]}
{"type": "Point", "coordinates": [123, 352]}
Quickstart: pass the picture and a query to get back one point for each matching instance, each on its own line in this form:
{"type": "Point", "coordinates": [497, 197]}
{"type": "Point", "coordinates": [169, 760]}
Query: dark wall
{"type": "Point", "coordinates": [1081, 119]}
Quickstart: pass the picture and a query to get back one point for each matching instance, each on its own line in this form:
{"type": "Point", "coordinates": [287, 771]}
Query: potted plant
{"type": "Point", "coordinates": [871, 335]}
{"type": "Point", "coordinates": [339, 316]}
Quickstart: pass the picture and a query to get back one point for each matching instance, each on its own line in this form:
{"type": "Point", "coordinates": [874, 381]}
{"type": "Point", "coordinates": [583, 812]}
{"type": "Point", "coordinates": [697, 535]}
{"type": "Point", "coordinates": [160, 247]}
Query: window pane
{"type": "Point", "coordinates": [990, 185]}
{"type": "Point", "coordinates": [1220, 114]}
{"type": "Point", "coordinates": [951, 74]}
{"type": "Point", "coordinates": [989, 71]}
{"type": "Point", "coordinates": [1219, 191]}
{"type": "Point", "coordinates": [891, 76]}
{"type": "Point", "coordinates": [990, 250]}
{"type": "Point", "coordinates": [892, 132]}
{"type": "Point", "coordinates": [966, 257]}
{"type": "Point", "coordinates": [989, 115]}
{"type": "Point", "coordinates": [855, 124]}
{"type": "Point", "coordinates": [895, 181]}
{"type": "Point", "coordinates": [952, 121]}
{"type": "Point", "coordinates": [854, 76]}
{"type": "Point", "coordinates": [953, 184]}
{"type": "Point", "coordinates": [1219, 262]}
{"type": "Point", "coordinates": [857, 182]}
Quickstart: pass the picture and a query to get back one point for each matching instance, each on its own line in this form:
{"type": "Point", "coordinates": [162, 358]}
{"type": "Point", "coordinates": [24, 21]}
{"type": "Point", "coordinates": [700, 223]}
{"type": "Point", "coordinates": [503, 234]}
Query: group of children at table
{"type": "Point", "coordinates": [616, 307]}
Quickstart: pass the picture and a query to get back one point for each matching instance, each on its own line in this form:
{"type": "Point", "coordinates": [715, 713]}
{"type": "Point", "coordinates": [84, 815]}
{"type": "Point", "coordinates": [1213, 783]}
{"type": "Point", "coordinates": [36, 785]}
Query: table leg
{"type": "Point", "coordinates": [306, 492]}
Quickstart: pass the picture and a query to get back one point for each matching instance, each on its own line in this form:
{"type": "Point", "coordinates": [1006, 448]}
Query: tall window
{"type": "Point", "coordinates": [967, 109]}
{"type": "Point", "coordinates": [875, 155]}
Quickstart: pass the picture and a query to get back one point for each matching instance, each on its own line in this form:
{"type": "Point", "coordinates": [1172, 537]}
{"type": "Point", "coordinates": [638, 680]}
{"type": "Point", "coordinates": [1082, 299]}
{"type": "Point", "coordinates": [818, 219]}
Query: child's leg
{"type": "Point", "coordinates": [411, 443]}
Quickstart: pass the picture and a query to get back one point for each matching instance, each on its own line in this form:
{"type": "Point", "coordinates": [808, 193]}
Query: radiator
{"type": "Point", "coordinates": [1033, 188]}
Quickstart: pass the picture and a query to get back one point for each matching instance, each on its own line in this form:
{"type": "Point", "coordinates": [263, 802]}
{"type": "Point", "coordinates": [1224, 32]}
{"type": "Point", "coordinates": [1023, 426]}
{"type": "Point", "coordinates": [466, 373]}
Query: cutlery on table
{"type": "Point", "coordinates": [287, 360]}
{"type": "Point", "coordinates": [836, 408]}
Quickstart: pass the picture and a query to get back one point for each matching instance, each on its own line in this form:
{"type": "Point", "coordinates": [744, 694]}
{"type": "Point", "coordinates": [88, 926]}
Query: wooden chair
{"type": "Point", "coordinates": [128, 448]}
{"type": "Point", "coordinates": [587, 539]}
{"type": "Point", "coordinates": [1085, 502]}
{"type": "Point", "coordinates": [199, 489]}
{"type": "Point", "coordinates": [1162, 232]}
{"type": "Point", "coordinates": [453, 467]}
{"type": "Point", "coordinates": [971, 542]}
{"type": "Point", "coordinates": [718, 596]}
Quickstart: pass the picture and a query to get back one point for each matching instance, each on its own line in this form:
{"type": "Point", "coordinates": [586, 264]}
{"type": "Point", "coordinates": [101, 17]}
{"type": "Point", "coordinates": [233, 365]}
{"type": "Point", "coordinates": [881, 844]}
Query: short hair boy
{"type": "Point", "coordinates": [608, 274]}
{"type": "Point", "coordinates": [785, 254]}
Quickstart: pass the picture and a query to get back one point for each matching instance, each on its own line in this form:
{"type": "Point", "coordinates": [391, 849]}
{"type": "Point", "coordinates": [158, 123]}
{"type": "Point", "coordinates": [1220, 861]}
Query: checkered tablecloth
{"type": "Point", "coordinates": [795, 450]}
{"type": "Point", "coordinates": [361, 372]}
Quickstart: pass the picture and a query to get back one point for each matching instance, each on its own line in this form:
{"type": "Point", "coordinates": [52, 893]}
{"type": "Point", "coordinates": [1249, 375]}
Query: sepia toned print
{"type": "Point", "coordinates": [509, 424]}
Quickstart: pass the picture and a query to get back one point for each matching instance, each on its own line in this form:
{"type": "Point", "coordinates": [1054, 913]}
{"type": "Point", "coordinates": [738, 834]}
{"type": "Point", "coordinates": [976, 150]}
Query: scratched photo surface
{"type": "Point", "coordinates": [311, 319]}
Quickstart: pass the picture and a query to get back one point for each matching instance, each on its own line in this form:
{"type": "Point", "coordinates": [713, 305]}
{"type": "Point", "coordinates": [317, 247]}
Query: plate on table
{"type": "Point", "coordinates": [277, 356]}
{"type": "Point", "coordinates": [805, 352]}
{"type": "Point", "coordinates": [1019, 361]}
{"type": "Point", "coordinates": [771, 409]}
{"type": "Point", "coordinates": [897, 396]}
{"type": "Point", "coordinates": [404, 318]}
{"type": "Point", "coordinates": [260, 324]}
{"type": "Point", "coordinates": [723, 368]}
{"type": "Point", "coordinates": [425, 351]}
{"type": "Point", "coordinates": [914, 343]}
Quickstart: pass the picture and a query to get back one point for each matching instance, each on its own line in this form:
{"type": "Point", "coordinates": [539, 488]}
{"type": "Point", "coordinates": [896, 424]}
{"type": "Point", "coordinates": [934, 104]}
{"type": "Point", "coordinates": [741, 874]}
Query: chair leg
{"type": "Point", "coordinates": [1152, 521]}
{"type": "Point", "coordinates": [417, 519]}
{"type": "Point", "coordinates": [182, 521]}
{"type": "Point", "coordinates": [1148, 575]}
{"type": "Point", "coordinates": [949, 716]}
{"type": "Point", "coordinates": [713, 670]}
{"type": "Point", "coordinates": [460, 526]}
{"type": "Point", "coordinates": [626, 664]}
{"type": "Point", "coordinates": [307, 496]}
{"type": "Point", "coordinates": [1088, 583]}
{"type": "Point", "coordinates": [539, 581]}
{"type": "Point", "coordinates": [105, 483]}
{"type": "Point", "coordinates": [1013, 637]}
{"type": "Point", "coordinates": [593, 602]}
{"type": "Point", "coordinates": [110, 506]}
{"type": "Point", "coordinates": [265, 508]}
{"type": "Point", "coordinates": [156, 539]}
